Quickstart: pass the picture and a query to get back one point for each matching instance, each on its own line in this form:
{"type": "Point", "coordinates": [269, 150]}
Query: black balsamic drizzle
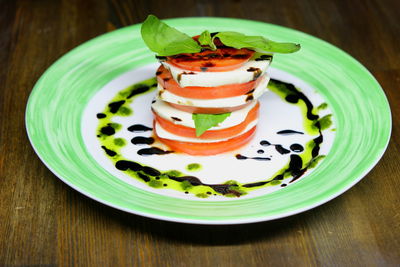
{"type": "Point", "coordinates": [241, 157]}
{"type": "Point", "coordinates": [295, 168]}
{"type": "Point", "coordinates": [152, 151]}
{"type": "Point", "coordinates": [138, 128]}
{"type": "Point", "coordinates": [114, 106]}
{"type": "Point", "coordinates": [142, 88]}
{"type": "Point", "coordinates": [296, 148]}
{"type": "Point", "coordinates": [289, 132]}
{"type": "Point", "coordinates": [109, 152]}
{"type": "Point", "coordinates": [141, 140]}
{"type": "Point", "coordinates": [278, 147]}
{"type": "Point", "coordinates": [107, 130]}
{"type": "Point", "coordinates": [295, 96]}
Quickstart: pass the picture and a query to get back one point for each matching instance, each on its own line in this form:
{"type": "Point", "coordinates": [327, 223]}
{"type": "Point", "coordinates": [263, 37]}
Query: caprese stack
{"type": "Point", "coordinates": [208, 86]}
{"type": "Point", "coordinates": [206, 102]}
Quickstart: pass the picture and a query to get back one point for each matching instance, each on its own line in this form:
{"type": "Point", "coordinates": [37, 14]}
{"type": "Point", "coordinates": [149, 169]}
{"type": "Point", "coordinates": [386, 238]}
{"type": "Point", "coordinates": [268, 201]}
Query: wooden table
{"type": "Point", "coordinates": [45, 222]}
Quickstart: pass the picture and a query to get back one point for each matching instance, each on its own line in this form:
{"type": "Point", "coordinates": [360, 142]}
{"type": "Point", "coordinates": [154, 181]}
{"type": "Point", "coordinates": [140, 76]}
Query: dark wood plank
{"type": "Point", "coordinates": [44, 222]}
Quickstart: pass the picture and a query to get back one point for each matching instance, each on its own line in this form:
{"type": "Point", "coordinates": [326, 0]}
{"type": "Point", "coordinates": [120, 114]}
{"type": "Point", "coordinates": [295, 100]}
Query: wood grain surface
{"type": "Point", "coordinates": [43, 222]}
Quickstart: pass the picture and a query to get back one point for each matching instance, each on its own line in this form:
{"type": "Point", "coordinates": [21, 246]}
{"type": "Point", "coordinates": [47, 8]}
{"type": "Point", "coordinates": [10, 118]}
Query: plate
{"type": "Point", "coordinates": [63, 97]}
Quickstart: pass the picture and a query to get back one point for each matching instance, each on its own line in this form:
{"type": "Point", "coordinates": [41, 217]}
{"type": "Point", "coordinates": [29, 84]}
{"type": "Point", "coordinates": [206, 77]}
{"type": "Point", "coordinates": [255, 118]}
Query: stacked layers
{"type": "Point", "coordinates": [197, 90]}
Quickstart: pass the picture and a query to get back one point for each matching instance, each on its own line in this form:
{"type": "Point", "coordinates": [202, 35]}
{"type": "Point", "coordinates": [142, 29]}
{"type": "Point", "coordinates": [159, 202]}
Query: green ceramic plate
{"type": "Point", "coordinates": [61, 124]}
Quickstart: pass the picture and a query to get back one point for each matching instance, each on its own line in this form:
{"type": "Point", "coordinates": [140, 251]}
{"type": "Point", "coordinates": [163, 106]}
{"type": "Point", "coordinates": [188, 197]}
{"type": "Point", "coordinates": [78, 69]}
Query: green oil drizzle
{"type": "Point", "coordinates": [176, 180]}
{"type": "Point", "coordinates": [193, 167]}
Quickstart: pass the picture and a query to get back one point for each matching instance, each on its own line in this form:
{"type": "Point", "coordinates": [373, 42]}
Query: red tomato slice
{"type": "Point", "coordinates": [204, 149]}
{"type": "Point", "coordinates": [202, 110]}
{"type": "Point", "coordinates": [222, 59]}
{"type": "Point", "coordinates": [165, 78]}
{"type": "Point", "coordinates": [210, 134]}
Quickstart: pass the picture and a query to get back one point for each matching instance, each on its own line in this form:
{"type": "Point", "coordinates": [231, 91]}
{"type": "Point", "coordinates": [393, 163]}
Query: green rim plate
{"type": "Point", "coordinates": [361, 112]}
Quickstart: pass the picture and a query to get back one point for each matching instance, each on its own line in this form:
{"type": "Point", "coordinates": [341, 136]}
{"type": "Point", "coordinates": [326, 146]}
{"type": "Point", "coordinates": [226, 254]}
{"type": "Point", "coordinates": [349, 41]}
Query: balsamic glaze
{"type": "Point", "coordinates": [152, 151]}
{"type": "Point", "coordinates": [107, 130]}
{"type": "Point", "coordinates": [109, 152]}
{"type": "Point", "coordinates": [249, 97]}
{"type": "Point", "coordinates": [251, 69]}
{"type": "Point", "coordinates": [141, 140]}
{"type": "Point", "coordinates": [138, 128]}
{"type": "Point", "coordinates": [114, 106]}
{"type": "Point", "coordinates": [296, 148]}
{"type": "Point", "coordinates": [264, 57]}
{"type": "Point", "coordinates": [139, 90]}
{"type": "Point", "coordinates": [124, 165]}
{"type": "Point", "coordinates": [176, 119]}
{"type": "Point", "coordinates": [281, 150]}
{"type": "Point", "coordinates": [241, 157]}
{"type": "Point", "coordinates": [265, 143]}
{"type": "Point", "coordinates": [289, 132]}
{"type": "Point", "coordinates": [295, 96]}
{"type": "Point", "coordinates": [101, 115]}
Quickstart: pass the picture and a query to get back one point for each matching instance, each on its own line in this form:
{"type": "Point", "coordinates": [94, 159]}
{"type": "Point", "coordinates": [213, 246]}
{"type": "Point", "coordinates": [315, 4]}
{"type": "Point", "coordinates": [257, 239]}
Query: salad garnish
{"type": "Point", "coordinates": [168, 41]}
{"type": "Point", "coordinates": [203, 122]}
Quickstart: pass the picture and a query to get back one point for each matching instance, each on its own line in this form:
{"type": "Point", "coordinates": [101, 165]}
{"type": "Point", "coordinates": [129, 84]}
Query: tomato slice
{"type": "Point", "coordinates": [222, 59]}
{"type": "Point", "coordinates": [210, 134]}
{"type": "Point", "coordinates": [192, 109]}
{"type": "Point", "coordinates": [204, 149]}
{"type": "Point", "coordinates": [165, 78]}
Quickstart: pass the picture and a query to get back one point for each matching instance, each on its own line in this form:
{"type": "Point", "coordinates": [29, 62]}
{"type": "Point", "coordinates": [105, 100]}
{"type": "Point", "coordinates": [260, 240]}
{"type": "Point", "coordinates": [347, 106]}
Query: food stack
{"type": "Point", "coordinates": [206, 102]}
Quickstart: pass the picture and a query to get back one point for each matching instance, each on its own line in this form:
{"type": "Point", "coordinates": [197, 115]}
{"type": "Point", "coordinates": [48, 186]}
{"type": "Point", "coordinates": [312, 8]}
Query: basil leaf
{"type": "Point", "coordinates": [206, 39]}
{"type": "Point", "coordinates": [257, 43]}
{"type": "Point", "coordinates": [203, 122]}
{"type": "Point", "coordinates": [165, 40]}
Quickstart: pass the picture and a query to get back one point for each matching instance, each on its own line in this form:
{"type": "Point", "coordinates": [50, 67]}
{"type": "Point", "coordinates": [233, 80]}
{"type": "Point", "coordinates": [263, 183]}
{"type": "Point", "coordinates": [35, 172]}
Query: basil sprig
{"type": "Point", "coordinates": [205, 39]}
{"type": "Point", "coordinates": [167, 41]}
{"type": "Point", "coordinates": [257, 43]}
{"type": "Point", "coordinates": [203, 122]}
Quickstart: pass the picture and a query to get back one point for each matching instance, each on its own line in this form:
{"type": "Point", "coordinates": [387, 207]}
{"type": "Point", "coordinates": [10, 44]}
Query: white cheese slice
{"type": "Point", "coordinates": [167, 135]}
{"type": "Point", "coordinates": [184, 118]}
{"type": "Point", "coordinates": [243, 74]}
{"type": "Point", "coordinates": [213, 103]}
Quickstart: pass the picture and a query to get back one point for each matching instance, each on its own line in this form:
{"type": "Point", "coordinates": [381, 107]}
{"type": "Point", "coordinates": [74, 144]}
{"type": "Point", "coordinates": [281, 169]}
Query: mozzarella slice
{"type": "Point", "coordinates": [214, 103]}
{"type": "Point", "coordinates": [167, 135]}
{"type": "Point", "coordinates": [184, 118]}
{"type": "Point", "coordinates": [251, 69]}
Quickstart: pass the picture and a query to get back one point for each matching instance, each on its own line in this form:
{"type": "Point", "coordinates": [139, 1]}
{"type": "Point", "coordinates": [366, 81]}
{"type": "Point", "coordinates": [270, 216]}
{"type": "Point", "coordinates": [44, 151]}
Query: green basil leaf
{"type": "Point", "coordinates": [165, 40]}
{"type": "Point", "coordinates": [206, 39]}
{"type": "Point", "coordinates": [203, 122]}
{"type": "Point", "coordinates": [257, 43]}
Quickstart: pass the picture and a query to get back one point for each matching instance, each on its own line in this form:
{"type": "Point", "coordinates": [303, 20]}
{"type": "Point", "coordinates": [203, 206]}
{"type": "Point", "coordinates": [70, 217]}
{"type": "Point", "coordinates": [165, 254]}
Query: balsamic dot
{"type": "Point", "coordinates": [101, 115]}
{"type": "Point", "coordinates": [186, 192]}
{"type": "Point", "coordinates": [209, 193]}
{"type": "Point", "coordinates": [164, 184]}
{"type": "Point", "coordinates": [296, 148]}
{"type": "Point", "coordinates": [265, 143]}
{"type": "Point", "coordinates": [107, 130]}
{"type": "Point", "coordinates": [283, 185]}
{"type": "Point", "coordinates": [157, 178]}
{"type": "Point", "coordinates": [260, 151]}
